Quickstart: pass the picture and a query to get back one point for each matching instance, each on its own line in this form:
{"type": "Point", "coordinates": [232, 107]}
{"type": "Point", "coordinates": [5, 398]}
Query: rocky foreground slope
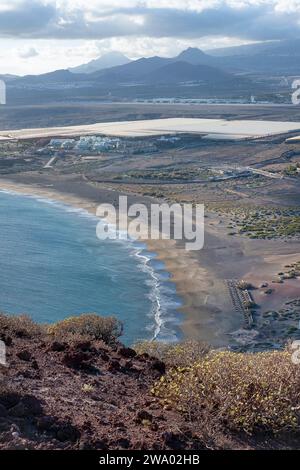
{"type": "Point", "coordinates": [56, 395]}
{"type": "Point", "coordinates": [65, 390]}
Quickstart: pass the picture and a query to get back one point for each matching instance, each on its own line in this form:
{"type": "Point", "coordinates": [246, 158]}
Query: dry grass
{"type": "Point", "coordinates": [177, 354]}
{"type": "Point", "coordinates": [238, 391]}
{"type": "Point", "coordinates": [88, 388]}
{"type": "Point", "coordinates": [92, 326]}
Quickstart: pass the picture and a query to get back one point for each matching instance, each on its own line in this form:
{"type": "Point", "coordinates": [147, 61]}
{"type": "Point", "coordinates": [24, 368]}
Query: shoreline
{"type": "Point", "coordinates": [161, 249]}
{"type": "Point", "coordinates": [200, 277]}
{"type": "Point", "coordinates": [164, 315]}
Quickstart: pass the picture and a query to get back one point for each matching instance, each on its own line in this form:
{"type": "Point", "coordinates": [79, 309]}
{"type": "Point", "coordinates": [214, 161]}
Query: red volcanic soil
{"type": "Point", "coordinates": [88, 395]}
{"type": "Point", "coordinates": [83, 396]}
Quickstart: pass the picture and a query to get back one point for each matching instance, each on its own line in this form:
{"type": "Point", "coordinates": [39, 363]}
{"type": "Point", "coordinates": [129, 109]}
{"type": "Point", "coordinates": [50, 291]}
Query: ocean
{"type": "Point", "coordinates": [53, 266]}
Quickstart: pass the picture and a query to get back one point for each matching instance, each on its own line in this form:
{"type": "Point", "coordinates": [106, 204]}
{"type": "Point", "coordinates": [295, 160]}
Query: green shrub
{"type": "Point", "coordinates": [177, 354]}
{"type": "Point", "coordinates": [237, 390]}
{"type": "Point", "coordinates": [107, 329]}
{"type": "Point", "coordinates": [21, 325]}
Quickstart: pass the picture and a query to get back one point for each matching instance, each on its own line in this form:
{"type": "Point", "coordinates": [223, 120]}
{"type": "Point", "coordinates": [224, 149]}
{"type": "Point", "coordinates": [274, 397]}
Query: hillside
{"type": "Point", "coordinates": [73, 385]}
{"type": "Point", "coordinates": [132, 72]}
{"type": "Point", "coordinates": [273, 57]}
{"type": "Point", "coordinates": [177, 72]}
{"type": "Point", "coordinates": [80, 393]}
{"type": "Point", "coordinates": [111, 59]}
{"type": "Point", "coordinates": [288, 47]}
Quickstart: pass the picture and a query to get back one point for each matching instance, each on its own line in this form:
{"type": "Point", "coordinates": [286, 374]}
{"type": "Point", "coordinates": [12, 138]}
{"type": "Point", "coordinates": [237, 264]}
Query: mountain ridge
{"type": "Point", "coordinates": [269, 57]}
{"type": "Point", "coordinates": [111, 59]}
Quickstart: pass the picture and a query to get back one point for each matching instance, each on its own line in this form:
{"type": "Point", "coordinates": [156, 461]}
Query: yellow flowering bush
{"type": "Point", "coordinates": [241, 391]}
{"type": "Point", "coordinates": [184, 353]}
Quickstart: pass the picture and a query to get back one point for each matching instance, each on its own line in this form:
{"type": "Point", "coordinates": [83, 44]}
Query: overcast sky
{"type": "Point", "coordinates": [41, 35]}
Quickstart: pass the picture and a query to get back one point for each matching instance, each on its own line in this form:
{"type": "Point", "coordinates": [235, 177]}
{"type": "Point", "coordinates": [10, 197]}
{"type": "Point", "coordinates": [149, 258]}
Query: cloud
{"type": "Point", "coordinates": [26, 18]}
{"type": "Point", "coordinates": [245, 19]}
{"type": "Point", "coordinates": [28, 53]}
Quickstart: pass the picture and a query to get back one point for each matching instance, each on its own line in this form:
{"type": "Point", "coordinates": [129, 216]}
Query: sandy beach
{"type": "Point", "coordinates": [199, 276]}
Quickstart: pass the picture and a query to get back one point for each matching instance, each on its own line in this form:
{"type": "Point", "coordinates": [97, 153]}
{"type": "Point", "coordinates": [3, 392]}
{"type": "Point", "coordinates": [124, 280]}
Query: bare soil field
{"type": "Point", "coordinates": [71, 114]}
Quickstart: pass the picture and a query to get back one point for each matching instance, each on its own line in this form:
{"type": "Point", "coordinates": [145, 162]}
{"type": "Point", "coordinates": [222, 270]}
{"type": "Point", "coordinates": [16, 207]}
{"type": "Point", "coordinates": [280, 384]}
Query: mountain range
{"type": "Point", "coordinates": [274, 57]}
{"type": "Point", "coordinates": [192, 73]}
{"type": "Point", "coordinates": [191, 65]}
{"type": "Point", "coordinates": [271, 57]}
{"type": "Point", "coordinates": [111, 59]}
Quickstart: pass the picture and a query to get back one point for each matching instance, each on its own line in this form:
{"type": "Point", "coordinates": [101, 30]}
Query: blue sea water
{"type": "Point", "coordinates": [54, 266]}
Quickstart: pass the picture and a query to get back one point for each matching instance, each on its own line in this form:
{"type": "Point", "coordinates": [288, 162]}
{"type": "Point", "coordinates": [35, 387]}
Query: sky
{"type": "Point", "coordinates": [38, 36]}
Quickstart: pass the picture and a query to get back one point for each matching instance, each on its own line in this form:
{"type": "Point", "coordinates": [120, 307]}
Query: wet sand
{"type": "Point", "coordinates": [199, 276]}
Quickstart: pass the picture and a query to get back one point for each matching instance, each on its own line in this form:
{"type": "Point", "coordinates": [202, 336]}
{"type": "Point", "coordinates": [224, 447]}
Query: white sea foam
{"type": "Point", "coordinates": [164, 323]}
